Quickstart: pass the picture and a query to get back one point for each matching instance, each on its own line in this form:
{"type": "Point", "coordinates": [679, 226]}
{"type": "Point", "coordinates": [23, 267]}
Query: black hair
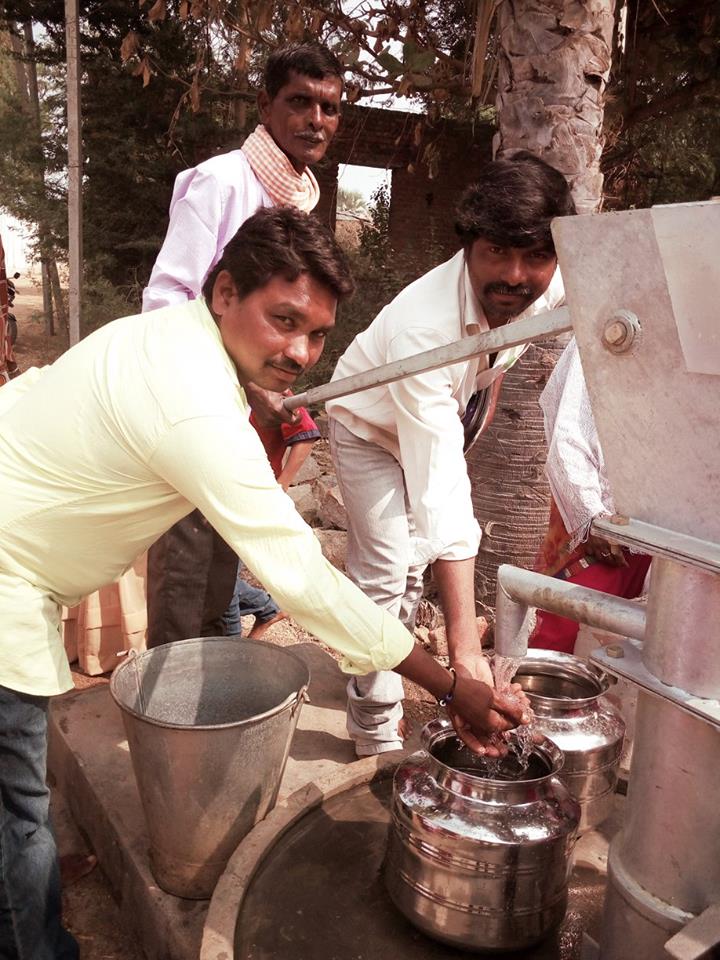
{"type": "Point", "coordinates": [513, 201]}
{"type": "Point", "coordinates": [286, 242]}
{"type": "Point", "coordinates": [309, 59]}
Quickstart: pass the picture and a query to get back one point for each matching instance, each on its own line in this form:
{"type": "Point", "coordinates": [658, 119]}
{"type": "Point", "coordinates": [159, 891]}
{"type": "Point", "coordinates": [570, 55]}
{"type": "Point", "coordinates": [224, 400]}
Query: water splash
{"type": "Point", "coordinates": [504, 669]}
{"type": "Point", "coordinates": [521, 740]}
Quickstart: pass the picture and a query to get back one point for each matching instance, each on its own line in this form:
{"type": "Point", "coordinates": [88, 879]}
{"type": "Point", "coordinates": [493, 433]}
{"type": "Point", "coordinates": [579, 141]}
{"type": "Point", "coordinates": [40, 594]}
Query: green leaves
{"type": "Point", "coordinates": [416, 61]}
{"type": "Point", "coordinates": [389, 63]}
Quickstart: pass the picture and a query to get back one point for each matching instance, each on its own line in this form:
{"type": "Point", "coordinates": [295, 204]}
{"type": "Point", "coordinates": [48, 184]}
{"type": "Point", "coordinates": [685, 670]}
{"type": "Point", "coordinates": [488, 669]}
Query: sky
{"type": "Point", "coordinates": [363, 180]}
{"type": "Point", "coordinates": [14, 239]}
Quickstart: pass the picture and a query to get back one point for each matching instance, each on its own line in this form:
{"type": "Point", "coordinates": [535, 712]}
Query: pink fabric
{"type": "Point", "coordinates": [209, 204]}
{"type": "Point", "coordinates": [558, 633]}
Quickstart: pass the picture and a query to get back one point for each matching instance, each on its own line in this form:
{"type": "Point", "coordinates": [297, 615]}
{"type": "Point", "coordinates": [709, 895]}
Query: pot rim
{"type": "Point", "coordinates": [440, 730]}
{"type": "Point", "coordinates": [555, 663]}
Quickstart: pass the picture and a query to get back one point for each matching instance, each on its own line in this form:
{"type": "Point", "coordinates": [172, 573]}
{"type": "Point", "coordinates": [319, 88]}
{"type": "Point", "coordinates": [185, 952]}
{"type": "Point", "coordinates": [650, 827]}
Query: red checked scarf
{"type": "Point", "coordinates": [282, 182]}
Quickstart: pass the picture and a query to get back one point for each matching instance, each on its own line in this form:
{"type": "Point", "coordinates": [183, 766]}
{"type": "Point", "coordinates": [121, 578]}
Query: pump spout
{"type": "Point", "coordinates": [519, 589]}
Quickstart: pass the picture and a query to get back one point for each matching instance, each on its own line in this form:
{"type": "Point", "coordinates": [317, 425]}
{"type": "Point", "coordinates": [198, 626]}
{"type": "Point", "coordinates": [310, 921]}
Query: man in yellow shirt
{"type": "Point", "coordinates": [107, 448]}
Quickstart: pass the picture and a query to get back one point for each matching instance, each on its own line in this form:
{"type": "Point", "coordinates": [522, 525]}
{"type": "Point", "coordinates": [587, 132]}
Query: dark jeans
{"type": "Point", "coordinates": [30, 902]}
{"type": "Point", "coordinates": [246, 601]}
{"type": "Point", "coordinates": [191, 578]}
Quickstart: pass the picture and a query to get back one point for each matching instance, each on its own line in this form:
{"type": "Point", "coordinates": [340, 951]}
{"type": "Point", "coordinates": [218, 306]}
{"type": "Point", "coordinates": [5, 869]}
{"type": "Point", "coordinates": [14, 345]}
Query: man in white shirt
{"type": "Point", "coordinates": [398, 449]}
{"type": "Point", "coordinates": [191, 570]}
{"type": "Point", "coordinates": [128, 431]}
{"type": "Point", "coordinates": [299, 110]}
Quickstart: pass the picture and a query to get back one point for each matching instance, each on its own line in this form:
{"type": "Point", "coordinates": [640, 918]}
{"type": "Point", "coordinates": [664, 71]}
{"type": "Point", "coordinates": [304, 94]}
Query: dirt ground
{"type": "Point", "coordinates": [89, 908]}
{"type": "Point", "coordinates": [34, 348]}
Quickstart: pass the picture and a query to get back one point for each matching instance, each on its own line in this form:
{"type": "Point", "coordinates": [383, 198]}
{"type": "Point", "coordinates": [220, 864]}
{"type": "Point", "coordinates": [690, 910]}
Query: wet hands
{"type": "Point", "coordinates": [474, 664]}
{"type": "Point", "coordinates": [480, 714]}
{"type": "Point", "coordinates": [477, 666]}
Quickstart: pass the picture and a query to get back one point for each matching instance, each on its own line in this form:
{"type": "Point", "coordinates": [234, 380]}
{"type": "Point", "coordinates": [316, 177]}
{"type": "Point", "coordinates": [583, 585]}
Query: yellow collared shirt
{"type": "Point", "coordinates": [107, 448]}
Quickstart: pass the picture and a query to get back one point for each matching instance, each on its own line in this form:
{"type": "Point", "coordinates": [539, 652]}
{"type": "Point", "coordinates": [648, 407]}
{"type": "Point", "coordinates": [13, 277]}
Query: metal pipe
{"type": "Point", "coordinates": [675, 653]}
{"type": "Point", "coordinates": [549, 323]}
{"type": "Point", "coordinates": [663, 866]}
{"type": "Point", "coordinates": [698, 937]}
{"type": "Point", "coordinates": [518, 589]}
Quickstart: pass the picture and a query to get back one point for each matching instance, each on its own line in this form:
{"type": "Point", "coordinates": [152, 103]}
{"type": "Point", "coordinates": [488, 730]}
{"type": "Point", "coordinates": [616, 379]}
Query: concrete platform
{"type": "Point", "coordinates": [306, 883]}
{"type": "Point", "coordinates": [90, 762]}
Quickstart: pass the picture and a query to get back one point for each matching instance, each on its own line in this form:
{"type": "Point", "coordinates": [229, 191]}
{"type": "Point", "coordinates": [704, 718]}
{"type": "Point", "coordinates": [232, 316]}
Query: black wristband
{"type": "Point", "coordinates": [444, 701]}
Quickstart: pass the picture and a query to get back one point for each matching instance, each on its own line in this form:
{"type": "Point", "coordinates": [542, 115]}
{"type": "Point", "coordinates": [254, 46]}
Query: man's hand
{"type": "Point", "coordinates": [479, 713]}
{"type": "Point", "coordinates": [605, 552]}
{"type": "Point", "coordinates": [268, 406]}
{"type": "Point", "coordinates": [474, 665]}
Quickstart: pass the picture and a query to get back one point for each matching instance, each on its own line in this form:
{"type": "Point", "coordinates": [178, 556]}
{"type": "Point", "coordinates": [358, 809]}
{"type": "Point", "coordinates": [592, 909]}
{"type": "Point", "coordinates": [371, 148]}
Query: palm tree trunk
{"type": "Point", "coordinates": [506, 466]}
{"type": "Point", "coordinates": [554, 61]}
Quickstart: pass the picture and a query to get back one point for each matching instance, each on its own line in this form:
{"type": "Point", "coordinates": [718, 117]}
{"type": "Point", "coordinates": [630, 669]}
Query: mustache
{"type": "Point", "coordinates": [293, 368]}
{"type": "Point", "coordinates": [506, 290]}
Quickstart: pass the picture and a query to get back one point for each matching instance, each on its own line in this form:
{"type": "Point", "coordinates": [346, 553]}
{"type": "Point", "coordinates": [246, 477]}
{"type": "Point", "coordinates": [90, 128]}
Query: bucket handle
{"type": "Point", "coordinates": [132, 657]}
{"type": "Point", "coordinates": [295, 700]}
{"type": "Point", "coordinates": [302, 697]}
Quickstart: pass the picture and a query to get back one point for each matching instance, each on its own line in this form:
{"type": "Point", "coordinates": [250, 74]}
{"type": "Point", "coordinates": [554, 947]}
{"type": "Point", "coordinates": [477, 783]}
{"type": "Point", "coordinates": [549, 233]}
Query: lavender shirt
{"type": "Point", "coordinates": [209, 204]}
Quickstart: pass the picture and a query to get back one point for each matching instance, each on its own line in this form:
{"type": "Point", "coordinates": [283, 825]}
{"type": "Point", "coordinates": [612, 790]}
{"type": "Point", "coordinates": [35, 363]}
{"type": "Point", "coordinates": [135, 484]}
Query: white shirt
{"type": "Point", "coordinates": [417, 419]}
{"type": "Point", "coordinates": [114, 443]}
{"type": "Point", "coordinates": [209, 204]}
{"type": "Point", "coordinates": [575, 466]}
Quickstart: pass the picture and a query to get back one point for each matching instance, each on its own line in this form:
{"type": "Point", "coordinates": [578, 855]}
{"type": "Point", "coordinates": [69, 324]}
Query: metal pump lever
{"type": "Point", "coordinates": [491, 341]}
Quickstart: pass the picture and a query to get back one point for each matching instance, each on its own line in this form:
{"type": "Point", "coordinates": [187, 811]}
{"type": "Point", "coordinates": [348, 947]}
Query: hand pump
{"type": "Point", "coordinates": [541, 325]}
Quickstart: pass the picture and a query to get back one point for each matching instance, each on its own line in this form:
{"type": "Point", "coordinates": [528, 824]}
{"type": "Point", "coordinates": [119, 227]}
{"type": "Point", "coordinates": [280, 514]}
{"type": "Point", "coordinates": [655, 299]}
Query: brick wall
{"type": "Point", "coordinates": [421, 208]}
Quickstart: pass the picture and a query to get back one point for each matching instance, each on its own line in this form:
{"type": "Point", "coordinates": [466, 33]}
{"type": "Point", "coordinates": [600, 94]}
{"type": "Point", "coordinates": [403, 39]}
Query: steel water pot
{"type": "Point", "coordinates": [566, 695]}
{"type": "Point", "coordinates": [479, 851]}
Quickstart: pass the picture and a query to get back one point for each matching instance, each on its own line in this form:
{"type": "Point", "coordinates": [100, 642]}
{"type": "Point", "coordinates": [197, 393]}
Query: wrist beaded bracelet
{"type": "Point", "coordinates": [444, 701]}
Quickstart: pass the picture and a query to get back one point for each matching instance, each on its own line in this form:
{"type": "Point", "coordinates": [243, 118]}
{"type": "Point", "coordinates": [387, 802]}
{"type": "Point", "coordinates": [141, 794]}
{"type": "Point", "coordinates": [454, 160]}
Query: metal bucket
{"type": "Point", "coordinates": [209, 724]}
{"type": "Point", "coordinates": [479, 856]}
{"type": "Point", "coordinates": [566, 694]}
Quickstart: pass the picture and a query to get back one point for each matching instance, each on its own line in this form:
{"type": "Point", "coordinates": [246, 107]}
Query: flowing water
{"type": "Point", "coordinates": [504, 669]}
{"type": "Point", "coordinates": [521, 740]}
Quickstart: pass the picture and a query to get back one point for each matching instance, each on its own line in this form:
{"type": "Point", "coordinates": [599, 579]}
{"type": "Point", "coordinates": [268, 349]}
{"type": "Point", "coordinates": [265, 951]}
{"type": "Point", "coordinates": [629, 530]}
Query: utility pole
{"type": "Point", "coordinates": [72, 37]}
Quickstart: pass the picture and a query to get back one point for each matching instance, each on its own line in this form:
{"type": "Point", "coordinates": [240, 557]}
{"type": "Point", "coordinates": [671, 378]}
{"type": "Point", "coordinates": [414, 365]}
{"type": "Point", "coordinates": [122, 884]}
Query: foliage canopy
{"type": "Point", "coordinates": [167, 83]}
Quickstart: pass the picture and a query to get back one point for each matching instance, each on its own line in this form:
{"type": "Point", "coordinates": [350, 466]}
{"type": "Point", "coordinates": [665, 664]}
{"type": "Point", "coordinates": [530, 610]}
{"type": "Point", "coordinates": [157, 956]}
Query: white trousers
{"type": "Point", "coordinates": [380, 530]}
